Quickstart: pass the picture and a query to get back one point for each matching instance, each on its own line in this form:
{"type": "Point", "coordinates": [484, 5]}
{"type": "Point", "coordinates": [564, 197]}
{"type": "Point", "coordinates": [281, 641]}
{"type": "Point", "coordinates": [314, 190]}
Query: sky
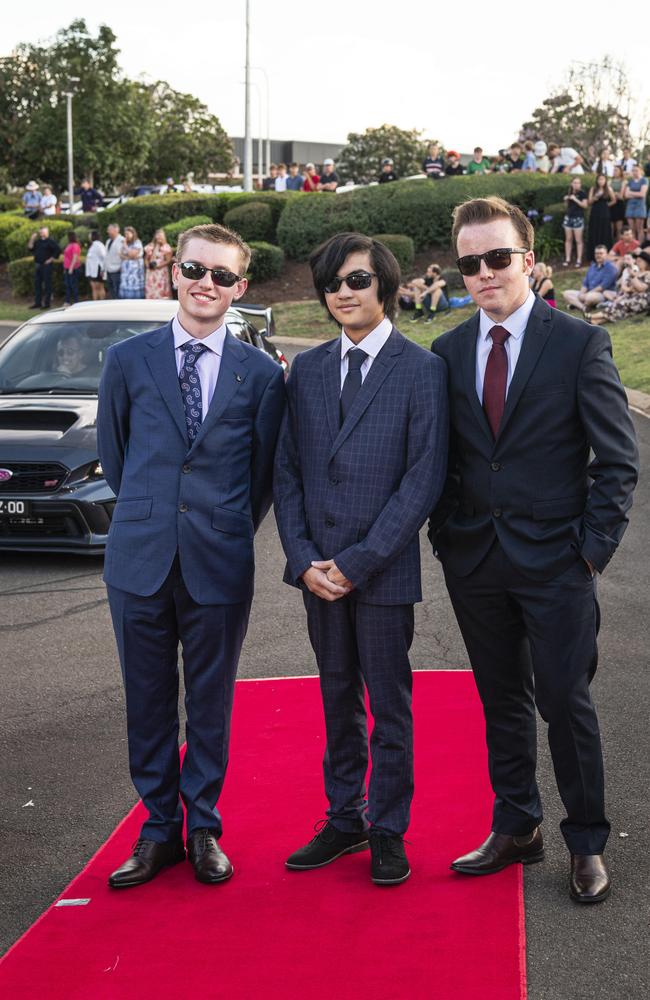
{"type": "Point", "coordinates": [467, 73]}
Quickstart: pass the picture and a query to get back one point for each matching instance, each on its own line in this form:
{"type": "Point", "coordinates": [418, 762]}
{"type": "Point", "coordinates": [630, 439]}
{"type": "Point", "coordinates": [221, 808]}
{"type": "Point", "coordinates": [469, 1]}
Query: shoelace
{"type": "Point", "coordinates": [140, 846]}
{"type": "Point", "coordinates": [205, 839]}
{"type": "Point", "coordinates": [388, 846]}
{"type": "Point", "coordinates": [321, 828]}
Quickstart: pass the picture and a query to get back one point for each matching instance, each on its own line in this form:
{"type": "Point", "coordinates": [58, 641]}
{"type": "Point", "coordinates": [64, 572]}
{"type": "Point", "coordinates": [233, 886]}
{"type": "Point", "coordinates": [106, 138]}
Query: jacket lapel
{"type": "Point", "coordinates": [232, 375]}
{"type": "Point", "coordinates": [332, 387]}
{"type": "Point", "coordinates": [380, 369]}
{"type": "Point", "coordinates": [468, 341]}
{"type": "Point", "coordinates": [537, 333]}
{"type": "Point", "coordinates": [162, 364]}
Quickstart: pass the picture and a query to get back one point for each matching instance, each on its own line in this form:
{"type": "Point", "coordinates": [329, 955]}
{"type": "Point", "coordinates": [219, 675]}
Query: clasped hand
{"type": "Point", "coordinates": [325, 580]}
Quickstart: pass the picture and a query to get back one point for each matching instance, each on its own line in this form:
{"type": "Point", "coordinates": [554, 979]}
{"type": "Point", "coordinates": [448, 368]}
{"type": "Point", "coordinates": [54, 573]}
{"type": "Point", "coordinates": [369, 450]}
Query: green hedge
{"type": "Point", "coordinates": [267, 262]}
{"type": "Point", "coordinates": [174, 229]}
{"type": "Point", "coordinates": [16, 242]}
{"type": "Point", "coordinates": [21, 276]}
{"type": "Point", "coordinates": [253, 221]}
{"type": "Point", "coordinates": [9, 202]}
{"type": "Point", "coordinates": [8, 224]}
{"type": "Point", "coordinates": [420, 209]}
{"type": "Point", "coordinates": [401, 247]}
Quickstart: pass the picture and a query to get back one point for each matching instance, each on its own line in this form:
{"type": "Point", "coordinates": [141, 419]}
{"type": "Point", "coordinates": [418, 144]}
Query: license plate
{"type": "Point", "coordinates": [15, 508]}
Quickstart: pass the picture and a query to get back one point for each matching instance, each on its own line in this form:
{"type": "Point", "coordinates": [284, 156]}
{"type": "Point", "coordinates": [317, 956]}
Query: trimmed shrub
{"type": "Point", "coordinates": [9, 202]}
{"type": "Point", "coordinates": [16, 241]}
{"type": "Point", "coordinates": [174, 229]}
{"type": "Point", "coordinates": [8, 224]}
{"type": "Point", "coordinates": [21, 276]}
{"type": "Point", "coordinates": [253, 221]}
{"type": "Point", "coordinates": [266, 263]}
{"type": "Point", "coordinates": [454, 279]}
{"type": "Point", "coordinates": [401, 247]}
{"type": "Point", "coordinates": [420, 209]}
{"type": "Point", "coordinates": [153, 211]}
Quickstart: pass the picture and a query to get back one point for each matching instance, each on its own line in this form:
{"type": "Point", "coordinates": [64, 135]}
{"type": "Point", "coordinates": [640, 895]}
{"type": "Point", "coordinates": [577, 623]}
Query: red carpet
{"type": "Point", "coordinates": [273, 934]}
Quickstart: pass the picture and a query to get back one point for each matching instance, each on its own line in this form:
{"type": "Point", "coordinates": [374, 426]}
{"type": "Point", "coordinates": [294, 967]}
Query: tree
{"type": "Point", "coordinates": [593, 108]}
{"type": "Point", "coordinates": [122, 128]}
{"type": "Point", "coordinates": [360, 160]}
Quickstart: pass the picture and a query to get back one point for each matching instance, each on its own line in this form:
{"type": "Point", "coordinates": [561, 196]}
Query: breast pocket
{"type": "Point", "coordinates": [540, 391]}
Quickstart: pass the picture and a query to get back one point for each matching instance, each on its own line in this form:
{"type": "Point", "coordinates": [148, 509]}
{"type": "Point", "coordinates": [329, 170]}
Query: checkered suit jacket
{"type": "Point", "coordinates": [360, 492]}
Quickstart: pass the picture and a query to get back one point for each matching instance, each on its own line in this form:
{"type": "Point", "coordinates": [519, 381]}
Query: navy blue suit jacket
{"type": "Point", "coordinates": [203, 500]}
{"type": "Point", "coordinates": [360, 492]}
{"type": "Point", "coordinates": [536, 487]}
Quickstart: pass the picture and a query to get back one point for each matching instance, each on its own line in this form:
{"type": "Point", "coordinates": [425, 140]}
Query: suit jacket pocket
{"type": "Point", "coordinates": [232, 522]}
{"type": "Point", "coordinates": [548, 389]}
{"type": "Point", "coordinates": [137, 509]}
{"type": "Point", "coordinates": [565, 507]}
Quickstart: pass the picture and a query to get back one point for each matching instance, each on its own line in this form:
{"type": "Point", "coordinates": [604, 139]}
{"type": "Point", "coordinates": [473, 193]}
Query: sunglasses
{"type": "Point", "coordinates": [220, 276]}
{"type": "Point", "coordinates": [495, 260]}
{"type": "Point", "coordinates": [355, 281]}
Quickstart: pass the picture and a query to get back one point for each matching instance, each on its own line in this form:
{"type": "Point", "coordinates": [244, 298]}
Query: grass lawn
{"type": "Point", "coordinates": [11, 311]}
{"type": "Point", "coordinates": [630, 338]}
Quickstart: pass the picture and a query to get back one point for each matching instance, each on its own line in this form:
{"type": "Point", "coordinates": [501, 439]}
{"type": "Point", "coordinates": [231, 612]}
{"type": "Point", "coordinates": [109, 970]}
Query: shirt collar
{"type": "Point", "coordinates": [214, 341]}
{"type": "Point", "coordinates": [372, 343]}
{"type": "Point", "coordinates": [516, 322]}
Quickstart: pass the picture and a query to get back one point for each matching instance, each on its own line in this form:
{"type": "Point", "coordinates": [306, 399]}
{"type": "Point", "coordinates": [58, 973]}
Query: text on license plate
{"type": "Point", "coordinates": [15, 508]}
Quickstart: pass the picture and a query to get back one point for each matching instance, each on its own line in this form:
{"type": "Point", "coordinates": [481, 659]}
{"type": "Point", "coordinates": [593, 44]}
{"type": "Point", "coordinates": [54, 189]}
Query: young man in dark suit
{"type": "Point", "coordinates": [527, 520]}
{"type": "Point", "coordinates": [362, 451]}
{"type": "Point", "coordinates": [187, 423]}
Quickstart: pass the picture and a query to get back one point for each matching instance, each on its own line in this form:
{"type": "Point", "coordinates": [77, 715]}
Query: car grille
{"type": "Point", "coordinates": [55, 525]}
{"type": "Point", "coordinates": [30, 477]}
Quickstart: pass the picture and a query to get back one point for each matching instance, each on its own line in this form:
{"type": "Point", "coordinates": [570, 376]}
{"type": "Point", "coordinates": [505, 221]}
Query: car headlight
{"type": "Point", "coordinates": [95, 471]}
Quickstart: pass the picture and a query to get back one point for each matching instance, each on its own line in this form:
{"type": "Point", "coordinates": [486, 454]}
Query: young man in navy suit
{"type": "Point", "coordinates": [542, 465]}
{"type": "Point", "coordinates": [361, 455]}
{"type": "Point", "coordinates": [187, 423]}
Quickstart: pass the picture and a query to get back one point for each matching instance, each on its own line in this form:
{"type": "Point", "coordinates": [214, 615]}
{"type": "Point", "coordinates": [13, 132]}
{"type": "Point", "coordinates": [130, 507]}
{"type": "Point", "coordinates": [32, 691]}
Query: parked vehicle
{"type": "Point", "coordinates": [53, 495]}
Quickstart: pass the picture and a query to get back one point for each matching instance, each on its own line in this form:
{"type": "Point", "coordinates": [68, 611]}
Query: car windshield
{"type": "Point", "coordinates": [62, 357]}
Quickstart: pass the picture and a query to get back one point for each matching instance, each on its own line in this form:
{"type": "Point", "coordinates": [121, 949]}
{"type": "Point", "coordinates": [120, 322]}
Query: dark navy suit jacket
{"type": "Point", "coordinates": [203, 500]}
{"type": "Point", "coordinates": [537, 487]}
{"type": "Point", "coordinates": [359, 493]}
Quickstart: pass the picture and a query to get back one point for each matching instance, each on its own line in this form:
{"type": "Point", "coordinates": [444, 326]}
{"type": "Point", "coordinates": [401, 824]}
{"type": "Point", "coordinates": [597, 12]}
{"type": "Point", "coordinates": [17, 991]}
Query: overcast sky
{"type": "Point", "coordinates": [466, 72]}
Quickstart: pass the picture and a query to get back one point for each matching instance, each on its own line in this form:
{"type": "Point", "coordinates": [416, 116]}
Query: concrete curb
{"type": "Point", "coordinates": [639, 401]}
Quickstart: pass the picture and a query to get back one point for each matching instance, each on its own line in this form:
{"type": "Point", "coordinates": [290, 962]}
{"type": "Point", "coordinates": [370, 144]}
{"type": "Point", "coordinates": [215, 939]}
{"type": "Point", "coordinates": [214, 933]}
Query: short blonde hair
{"type": "Point", "coordinates": [214, 233]}
{"type": "Point", "coordinates": [477, 211]}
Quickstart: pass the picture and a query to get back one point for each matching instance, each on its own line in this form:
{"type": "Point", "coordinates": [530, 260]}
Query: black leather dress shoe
{"type": "Point", "coordinates": [389, 864]}
{"type": "Point", "coordinates": [499, 851]}
{"type": "Point", "coordinates": [590, 881]}
{"type": "Point", "coordinates": [328, 845]}
{"type": "Point", "coordinates": [146, 861]}
{"type": "Point", "coordinates": [210, 863]}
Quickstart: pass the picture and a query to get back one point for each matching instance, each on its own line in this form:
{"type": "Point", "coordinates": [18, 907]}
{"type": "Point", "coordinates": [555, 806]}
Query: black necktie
{"type": "Point", "coordinates": [352, 382]}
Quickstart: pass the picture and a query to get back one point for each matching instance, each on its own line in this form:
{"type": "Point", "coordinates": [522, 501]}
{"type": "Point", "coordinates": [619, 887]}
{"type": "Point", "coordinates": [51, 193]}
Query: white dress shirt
{"type": "Point", "coordinates": [207, 364]}
{"type": "Point", "coordinates": [113, 256]}
{"type": "Point", "coordinates": [371, 344]}
{"type": "Point", "coordinates": [515, 324]}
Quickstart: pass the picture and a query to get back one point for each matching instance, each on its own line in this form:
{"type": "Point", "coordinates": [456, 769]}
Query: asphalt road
{"type": "Point", "coordinates": [65, 782]}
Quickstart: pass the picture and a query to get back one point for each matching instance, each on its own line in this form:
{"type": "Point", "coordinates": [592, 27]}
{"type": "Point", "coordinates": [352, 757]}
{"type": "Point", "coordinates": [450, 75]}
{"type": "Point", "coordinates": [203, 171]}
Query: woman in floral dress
{"type": "Point", "coordinates": [634, 298]}
{"type": "Point", "coordinates": [132, 269]}
{"type": "Point", "coordinates": [157, 258]}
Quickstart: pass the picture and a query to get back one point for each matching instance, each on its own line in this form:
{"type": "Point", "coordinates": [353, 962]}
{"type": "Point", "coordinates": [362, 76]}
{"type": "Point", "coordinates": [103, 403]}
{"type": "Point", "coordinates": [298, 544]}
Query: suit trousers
{"type": "Point", "coordinates": [530, 643]}
{"type": "Point", "coordinates": [113, 282]}
{"type": "Point", "coordinates": [357, 643]}
{"type": "Point", "coordinates": [148, 631]}
{"type": "Point", "coordinates": [43, 284]}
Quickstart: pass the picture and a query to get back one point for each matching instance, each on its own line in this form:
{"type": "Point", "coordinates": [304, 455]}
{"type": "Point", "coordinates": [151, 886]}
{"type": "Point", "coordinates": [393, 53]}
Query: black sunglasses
{"type": "Point", "coordinates": [220, 276]}
{"type": "Point", "coordinates": [496, 260]}
{"type": "Point", "coordinates": [355, 281]}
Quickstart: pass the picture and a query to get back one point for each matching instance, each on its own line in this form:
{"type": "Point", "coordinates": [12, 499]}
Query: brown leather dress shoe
{"type": "Point", "coordinates": [210, 863]}
{"type": "Point", "coordinates": [146, 861]}
{"type": "Point", "coordinates": [499, 851]}
{"type": "Point", "coordinates": [590, 881]}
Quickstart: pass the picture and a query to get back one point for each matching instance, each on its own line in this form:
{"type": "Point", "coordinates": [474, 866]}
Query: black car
{"type": "Point", "coordinates": [53, 495]}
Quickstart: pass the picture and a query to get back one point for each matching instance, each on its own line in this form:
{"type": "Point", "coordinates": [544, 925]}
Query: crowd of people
{"type": "Point", "coordinates": [617, 283]}
{"type": "Point", "coordinates": [121, 265]}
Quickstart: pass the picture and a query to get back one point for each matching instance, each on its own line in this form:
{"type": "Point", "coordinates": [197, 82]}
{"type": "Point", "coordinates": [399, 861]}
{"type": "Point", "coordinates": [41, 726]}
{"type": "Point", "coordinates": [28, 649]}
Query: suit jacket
{"type": "Point", "coordinates": [535, 487]}
{"type": "Point", "coordinates": [203, 500]}
{"type": "Point", "coordinates": [358, 493]}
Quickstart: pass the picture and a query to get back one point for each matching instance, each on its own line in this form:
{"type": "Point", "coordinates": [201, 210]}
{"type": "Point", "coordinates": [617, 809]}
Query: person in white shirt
{"type": "Point", "coordinates": [281, 179]}
{"type": "Point", "coordinates": [48, 201]}
{"type": "Point", "coordinates": [113, 262]}
{"type": "Point", "coordinates": [95, 264]}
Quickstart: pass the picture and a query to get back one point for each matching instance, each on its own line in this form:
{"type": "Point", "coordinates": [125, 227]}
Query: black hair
{"type": "Point", "coordinates": [326, 260]}
{"type": "Point", "coordinates": [72, 236]}
{"type": "Point", "coordinates": [94, 235]}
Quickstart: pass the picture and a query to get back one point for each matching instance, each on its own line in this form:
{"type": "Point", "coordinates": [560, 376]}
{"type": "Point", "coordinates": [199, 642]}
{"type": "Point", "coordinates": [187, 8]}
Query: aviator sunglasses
{"type": "Point", "coordinates": [355, 281]}
{"type": "Point", "coordinates": [220, 276]}
{"type": "Point", "coordinates": [495, 260]}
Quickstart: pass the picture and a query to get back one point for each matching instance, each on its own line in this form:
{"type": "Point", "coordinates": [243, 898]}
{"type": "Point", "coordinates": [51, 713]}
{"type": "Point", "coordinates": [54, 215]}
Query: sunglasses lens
{"type": "Point", "coordinates": [333, 286]}
{"type": "Point", "coordinates": [194, 272]}
{"type": "Point", "coordinates": [358, 281]}
{"type": "Point", "coordinates": [469, 265]}
{"type": "Point", "coordinates": [226, 279]}
{"type": "Point", "coordinates": [498, 260]}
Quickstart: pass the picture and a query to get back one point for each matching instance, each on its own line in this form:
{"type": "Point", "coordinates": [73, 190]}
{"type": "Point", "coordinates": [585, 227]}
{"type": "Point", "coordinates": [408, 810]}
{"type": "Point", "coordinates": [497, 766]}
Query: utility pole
{"type": "Point", "coordinates": [69, 95]}
{"type": "Point", "coordinates": [248, 141]}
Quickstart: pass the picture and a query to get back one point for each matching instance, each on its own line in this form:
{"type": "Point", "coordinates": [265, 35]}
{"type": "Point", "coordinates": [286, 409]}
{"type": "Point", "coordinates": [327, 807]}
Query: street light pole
{"type": "Point", "coordinates": [260, 69]}
{"type": "Point", "coordinates": [69, 95]}
{"type": "Point", "coordinates": [248, 141]}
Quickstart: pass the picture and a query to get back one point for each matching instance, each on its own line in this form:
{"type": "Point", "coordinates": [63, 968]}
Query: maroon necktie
{"type": "Point", "coordinates": [496, 378]}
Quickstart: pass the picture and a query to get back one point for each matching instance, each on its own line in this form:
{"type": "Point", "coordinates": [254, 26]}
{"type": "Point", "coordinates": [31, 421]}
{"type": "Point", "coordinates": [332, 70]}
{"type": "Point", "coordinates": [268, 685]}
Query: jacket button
{"type": "Point", "coordinates": [334, 482]}
{"type": "Point", "coordinates": [329, 523]}
{"type": "Point", "coordinates": [183, 508]}
{"type": "Point", "coordinates": [187, 468]}
{"type": "Point", "coordinates": [496, 512]}
{"type": "Point", "coordinates": [495, 466]}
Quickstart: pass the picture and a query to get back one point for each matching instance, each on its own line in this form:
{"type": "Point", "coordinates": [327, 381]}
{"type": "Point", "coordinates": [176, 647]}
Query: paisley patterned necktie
{"type": "Point", "coordinates": [191, 388]}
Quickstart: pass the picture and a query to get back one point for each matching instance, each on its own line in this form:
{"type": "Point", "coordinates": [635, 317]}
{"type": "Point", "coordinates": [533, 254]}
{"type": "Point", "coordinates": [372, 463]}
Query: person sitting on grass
{"type": "Point", "coordinates": [542, 282]}
{"type": "Point", "coordinates": [634, 297]}
{"type": "Point", "coordinates": [627, 244]}
{"type": "Point", "coordinates": [600, 277]}
{"type": "Point", "coordinates": [429, 294]}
